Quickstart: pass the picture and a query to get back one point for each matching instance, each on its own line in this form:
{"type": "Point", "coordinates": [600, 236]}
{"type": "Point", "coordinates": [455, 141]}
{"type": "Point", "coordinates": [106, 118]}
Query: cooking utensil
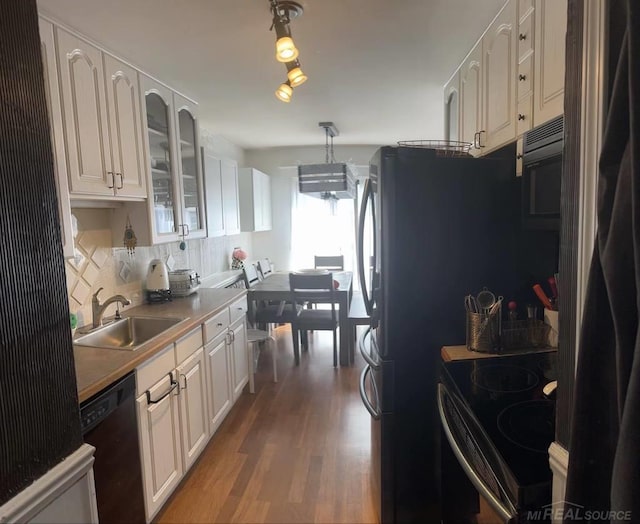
{"type": "Point", "coordinates": [470, 304]}
{"type": "Point", "coordinates": [537, 289]}
{"type": "Point", "coordinates": [485, 300]}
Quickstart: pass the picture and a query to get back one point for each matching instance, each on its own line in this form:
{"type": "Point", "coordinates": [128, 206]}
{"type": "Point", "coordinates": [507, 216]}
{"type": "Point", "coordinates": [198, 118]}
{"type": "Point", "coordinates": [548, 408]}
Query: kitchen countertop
{"type": "Point", "coordinates": [96, 368]}
{"type": "Point", "coordinates": [450, 353]}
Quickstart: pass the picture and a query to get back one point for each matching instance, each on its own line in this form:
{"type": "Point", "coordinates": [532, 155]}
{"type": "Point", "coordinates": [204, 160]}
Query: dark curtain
{"type": "Point", "coordinates": [604, 460]}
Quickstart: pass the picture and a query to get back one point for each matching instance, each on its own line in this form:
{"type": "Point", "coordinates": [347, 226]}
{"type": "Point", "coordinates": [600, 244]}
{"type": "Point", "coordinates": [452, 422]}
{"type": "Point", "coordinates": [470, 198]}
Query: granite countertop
{"type": "Point", "coordinates": [97, 368]}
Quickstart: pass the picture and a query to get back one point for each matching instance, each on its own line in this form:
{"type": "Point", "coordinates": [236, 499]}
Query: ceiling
{"type": "Point", "coordinates": [376, 68]}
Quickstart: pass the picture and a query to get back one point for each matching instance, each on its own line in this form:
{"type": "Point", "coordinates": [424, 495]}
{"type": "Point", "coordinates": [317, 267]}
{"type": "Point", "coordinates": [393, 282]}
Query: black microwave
{"type": "Point", "coordinates": [542, 175]}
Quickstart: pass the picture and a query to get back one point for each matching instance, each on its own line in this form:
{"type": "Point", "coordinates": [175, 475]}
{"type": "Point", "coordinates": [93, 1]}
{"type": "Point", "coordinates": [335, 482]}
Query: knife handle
{"type": "Point", "coordinates": [543, 298]}
{"type": "Point", "coordinates": [554, 287]}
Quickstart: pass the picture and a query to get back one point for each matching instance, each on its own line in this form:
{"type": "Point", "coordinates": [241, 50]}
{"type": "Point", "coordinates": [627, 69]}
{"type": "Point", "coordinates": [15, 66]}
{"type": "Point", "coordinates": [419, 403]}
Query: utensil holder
{"type": "Point", "coordinates": [484, 332]}
{"type": "Point", "coordinates": [530, 333]}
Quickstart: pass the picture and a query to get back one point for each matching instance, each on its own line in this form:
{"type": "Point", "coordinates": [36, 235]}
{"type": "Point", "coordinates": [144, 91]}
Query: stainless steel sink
{"type": "Point", "coordinates": [128, 333]}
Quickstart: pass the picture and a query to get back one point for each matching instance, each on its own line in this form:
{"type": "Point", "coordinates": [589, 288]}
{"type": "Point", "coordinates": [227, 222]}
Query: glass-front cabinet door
{"type": "Point", "coordinates": [163, 188]}
{"type": "Point", "coordinates": [193, 223]}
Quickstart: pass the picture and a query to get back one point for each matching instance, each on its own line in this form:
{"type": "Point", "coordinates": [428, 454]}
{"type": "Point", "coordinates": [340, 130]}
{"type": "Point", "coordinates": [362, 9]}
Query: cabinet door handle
{"type": "Point", "coordinates": [522, 78]}
{"type": "Point", "coordinates": [519, 156]}
{"type": "Point", "coordinates": [475, 140]}
{"type": "Point", "coordinates": [113, 179]}
{"type": "Point", "coordinates": [121, 180]}
{"type": "Point", "coordinates": [522, 36]}
{"type": "Point", "coordinates": [480, 138]}
{"type": "Point", "coordinates": [521, 116]}
{"type": "Point", "coordinates": [185, 380]}
{"type": "Point", "coordinates": [174, 385]}
{"type": "Point", "coordinates": [219, 324]}
{"type": "Point", "coordinates": [188, 230]}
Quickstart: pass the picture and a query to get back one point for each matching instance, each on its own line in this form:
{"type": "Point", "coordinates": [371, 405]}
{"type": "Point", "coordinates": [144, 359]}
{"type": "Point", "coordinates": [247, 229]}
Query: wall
{"type": "Point", "coordinates": [281, 163]}
{"type": "Point", "coordinates": [97, 264]}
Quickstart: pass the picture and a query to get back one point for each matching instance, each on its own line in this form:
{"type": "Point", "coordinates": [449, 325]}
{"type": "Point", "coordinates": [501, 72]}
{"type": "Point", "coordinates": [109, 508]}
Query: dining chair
{"type": "Point", "coordinates": [308, 287]}
{"type": "Point", "coordinates": [264, 267]}
{"type": "Point", "coordinates": [332, 263]}
{"type": "Point", "coordinates": [254, 338]}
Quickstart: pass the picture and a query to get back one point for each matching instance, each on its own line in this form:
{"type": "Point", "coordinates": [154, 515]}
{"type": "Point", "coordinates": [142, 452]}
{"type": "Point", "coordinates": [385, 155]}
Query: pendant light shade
{"type": "Point", "coordinates": [286, 49]}
{"type": "Point", "coordinates": [284, 92]}
{"type": "Point", "coordinates": [294, 74]}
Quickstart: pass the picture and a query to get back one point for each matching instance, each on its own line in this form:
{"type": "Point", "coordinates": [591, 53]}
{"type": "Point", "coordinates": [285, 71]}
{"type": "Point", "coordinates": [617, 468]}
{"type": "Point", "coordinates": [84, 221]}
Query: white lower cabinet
{"type": "Point", "coordinates": [159, 427]}
{"type": "Point", "coordinates": [181, 406]}
{"type": "Point", "coordinates": [218, 390]}
{"type": "Point", "coordinates": [239, 357]}
{"type": "Point", "coordinates": [193, 407]}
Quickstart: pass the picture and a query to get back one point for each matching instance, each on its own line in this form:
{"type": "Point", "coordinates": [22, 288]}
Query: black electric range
{"type": "Point", "coordinates": [499, 425]}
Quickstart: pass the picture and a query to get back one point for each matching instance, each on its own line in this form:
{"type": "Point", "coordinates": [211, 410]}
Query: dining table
{"type": "Point", "coordinates": [275, 287]}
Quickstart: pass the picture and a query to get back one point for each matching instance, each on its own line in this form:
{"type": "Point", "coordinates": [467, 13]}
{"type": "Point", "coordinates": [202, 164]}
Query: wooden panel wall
{"type": "Point", "coordinates": [39, 418]}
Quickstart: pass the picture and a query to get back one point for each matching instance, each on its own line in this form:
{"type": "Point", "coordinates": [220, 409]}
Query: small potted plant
{"type": "Point", "coordinates": [237, 258]}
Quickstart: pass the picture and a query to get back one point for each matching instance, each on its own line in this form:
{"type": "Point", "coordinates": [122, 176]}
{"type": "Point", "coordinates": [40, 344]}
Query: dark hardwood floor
{"type": "Point", "coordinates": [295, 452]}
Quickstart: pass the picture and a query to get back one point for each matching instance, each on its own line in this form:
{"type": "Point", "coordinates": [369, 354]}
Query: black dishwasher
{"type": "Point", "coordinates": [109, 425]}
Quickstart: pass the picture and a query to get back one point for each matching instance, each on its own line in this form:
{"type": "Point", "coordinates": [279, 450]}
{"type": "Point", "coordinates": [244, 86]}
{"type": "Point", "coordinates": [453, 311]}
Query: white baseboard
{"type": "Point", "coordinates": [559, 464]}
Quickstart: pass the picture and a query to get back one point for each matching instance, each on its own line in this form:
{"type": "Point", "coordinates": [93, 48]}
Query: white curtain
{"type": "Point", "coordinates": [321, 227]}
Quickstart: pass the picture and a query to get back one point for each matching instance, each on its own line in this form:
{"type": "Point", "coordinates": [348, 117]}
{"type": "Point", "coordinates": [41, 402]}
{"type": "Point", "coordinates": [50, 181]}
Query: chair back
{"type": "Point", "coordinates": [264, 267]}
{"type": "Point", "coordinates": [335, 263]}
{"type": "Point", "coordinates": [307, 287]}
{"type": "Point", "coordinates": [251, 277]}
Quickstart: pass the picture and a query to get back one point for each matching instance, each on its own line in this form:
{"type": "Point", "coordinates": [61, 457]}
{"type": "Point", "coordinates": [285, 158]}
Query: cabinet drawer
{"type": "Point", "coordinates": [525, 37]}
{"type": "Point", "coordinates": [525, 77]}
{"type": "Point", "coordinates": [189, 344]}
{"type": "Point", "coordinates": [237, 310]}
{"type": "Point", "coordinates": [525, 114]}
{"type": "Point", "coordinates": [216, 325]}
{"type": "Point", "coordinates": [153, 370]}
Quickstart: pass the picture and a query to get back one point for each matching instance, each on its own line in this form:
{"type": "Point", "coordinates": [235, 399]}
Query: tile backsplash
{"type": "Point", "coordinates": [97, 264]}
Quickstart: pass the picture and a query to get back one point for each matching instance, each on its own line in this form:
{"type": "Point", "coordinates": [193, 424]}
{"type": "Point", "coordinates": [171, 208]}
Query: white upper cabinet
{"type": "Point", "coordinates": [101, 121]}
{"type": "Point", "coordinates": [550, 31]}
{"type": "Point", "coordinates": [84, 104]}
{"type": "Point", "coordinates": [452, 108]}
{"type": "Point", "coordinates": [230, 196]}
{"type": "Point", "coordinates": [512, 79]}
{"type": "Point", "coordinates": [176, 203]}
{"type": "Point", "coordinates": [193, 224]}
{"type": "Point", "coordinates": [471, 99]}
{"type": "Point", "coordinates": [499, 46]}
{"type": "Point", "coordinates": [125, 119]}
{"type": "Point", "coordinates": [50, 70]}
{"type": "Point", "coordinates": [255, 200]}
{"type": "Point", "coordinates": [221, 190]}
{"type": "Point", "coordinates": [213, 194]}
{"type": "Point", "coordinates": [162, 159]}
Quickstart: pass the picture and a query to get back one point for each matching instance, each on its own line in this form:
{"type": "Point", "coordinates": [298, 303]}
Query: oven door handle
{"type": "Point", "coordinates": [505, 513]}
{"type": "Point", "coordinates": [375, 414]}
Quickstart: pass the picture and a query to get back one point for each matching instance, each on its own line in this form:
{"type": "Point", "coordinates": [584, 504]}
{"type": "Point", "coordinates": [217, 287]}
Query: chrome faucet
{"type": "Point", "coordinates": [97, 309]}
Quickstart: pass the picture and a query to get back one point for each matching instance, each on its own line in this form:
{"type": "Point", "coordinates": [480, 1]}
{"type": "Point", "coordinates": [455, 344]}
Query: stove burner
{"type": "Point", "coordinates": [501, 378]}
{"type": "Point", "coordinates": [529, 425]}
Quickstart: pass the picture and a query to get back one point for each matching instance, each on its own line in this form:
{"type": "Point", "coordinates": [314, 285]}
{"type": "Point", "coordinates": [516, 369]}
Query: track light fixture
{"type": "Point", "coordinates": [286, 52]}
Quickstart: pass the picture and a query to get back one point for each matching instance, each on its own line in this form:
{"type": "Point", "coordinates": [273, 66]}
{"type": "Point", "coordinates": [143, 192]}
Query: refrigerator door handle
{"type": "Point", "coordinates": [363, 351]}
{"type": "Point", "coordinates": [366, 198]}
{"type": "Point", "coordinates": [375, 414]}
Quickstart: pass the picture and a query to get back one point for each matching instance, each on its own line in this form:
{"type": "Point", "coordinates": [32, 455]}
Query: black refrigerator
{"type": "Point", "coordinates": [432, 229]}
